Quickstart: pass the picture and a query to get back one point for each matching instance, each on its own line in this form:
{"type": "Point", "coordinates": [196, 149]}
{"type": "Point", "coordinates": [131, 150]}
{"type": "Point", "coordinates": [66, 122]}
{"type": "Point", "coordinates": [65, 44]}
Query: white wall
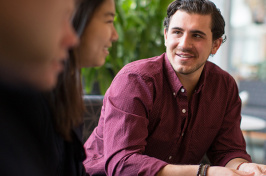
{"type": "Point", "coordinates": [221, 58]}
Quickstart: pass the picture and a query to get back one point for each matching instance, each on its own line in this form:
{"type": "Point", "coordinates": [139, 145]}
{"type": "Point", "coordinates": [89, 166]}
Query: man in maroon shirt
{"type": "Point", "coordinates": [162, 114]}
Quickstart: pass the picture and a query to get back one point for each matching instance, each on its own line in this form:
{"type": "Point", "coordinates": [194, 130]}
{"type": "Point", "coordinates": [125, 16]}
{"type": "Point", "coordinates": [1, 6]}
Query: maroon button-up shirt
{"type": "Point", "coordinates": [147, 121]}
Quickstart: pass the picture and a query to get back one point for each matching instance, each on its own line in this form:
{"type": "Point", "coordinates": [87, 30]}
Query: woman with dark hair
{"type": "Point", "coordinates": [93, 22]}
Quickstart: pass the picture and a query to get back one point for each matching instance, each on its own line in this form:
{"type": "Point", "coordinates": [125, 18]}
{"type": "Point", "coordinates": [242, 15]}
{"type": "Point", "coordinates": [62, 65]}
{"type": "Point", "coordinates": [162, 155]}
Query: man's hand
{"type": "Point", "coordinates": [223, 171]}
{"type": "Point", "coordinates": [258, 169]}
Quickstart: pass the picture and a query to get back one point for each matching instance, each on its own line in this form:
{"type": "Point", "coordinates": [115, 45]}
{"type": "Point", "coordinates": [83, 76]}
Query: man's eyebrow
{"type": "Point", "coordinates": [198, 32]}
{"type": "Point", "coordinates": [177, 28]}
{"type": "Point", "coordinates": [192, 31]}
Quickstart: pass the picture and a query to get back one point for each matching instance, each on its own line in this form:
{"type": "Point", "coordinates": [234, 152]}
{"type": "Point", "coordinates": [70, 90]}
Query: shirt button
{"type": "Point", "coordinates": [170, 157]}
{"type": "Point", "coordinates": [174, 93]}
{"type": "Point", "coordinates": [182, 134]}
{"type": "Point", "coordinates": [184, 111]}
{"type": "Point", "coordinates": [182, 90]}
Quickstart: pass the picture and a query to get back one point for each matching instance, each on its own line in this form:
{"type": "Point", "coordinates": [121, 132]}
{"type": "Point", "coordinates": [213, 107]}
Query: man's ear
{"type": "Point", "coordinates": [165, 36]}
{"type": "Point", "coordinates": [216, 45]}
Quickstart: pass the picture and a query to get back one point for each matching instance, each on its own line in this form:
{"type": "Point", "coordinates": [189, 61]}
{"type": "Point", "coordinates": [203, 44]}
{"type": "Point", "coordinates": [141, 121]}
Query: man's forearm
{"type": "Point", "coordinates": [184, 170]}
{"type": "Point", "coordinates": [234, 163]}
{"type": "Point", "coordinates": [173, 170]}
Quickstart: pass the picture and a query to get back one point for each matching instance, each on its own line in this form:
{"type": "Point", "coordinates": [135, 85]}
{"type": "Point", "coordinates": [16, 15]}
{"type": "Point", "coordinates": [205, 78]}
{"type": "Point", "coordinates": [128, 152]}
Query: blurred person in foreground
{"type": "Point", "coordinates": [93, 21]}
{"type": "Point", "coordinates": [35, 37]}
{"type": "Point", "coordinates": [161, 115]}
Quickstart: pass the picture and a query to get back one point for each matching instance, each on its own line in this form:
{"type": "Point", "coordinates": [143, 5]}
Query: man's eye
{"type": "Point", "coordinates": [197, 36]}
{"type": "Point", "coordinates": [177, 32]}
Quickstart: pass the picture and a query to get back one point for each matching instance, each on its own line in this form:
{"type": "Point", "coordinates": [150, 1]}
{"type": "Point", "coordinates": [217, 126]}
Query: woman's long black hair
{"type": "Point", "coordinates": [66, 100]}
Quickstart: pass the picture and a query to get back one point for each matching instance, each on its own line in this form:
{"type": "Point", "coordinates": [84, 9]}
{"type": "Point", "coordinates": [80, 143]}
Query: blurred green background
{"type": "Point", "coordinates": [139, 24]}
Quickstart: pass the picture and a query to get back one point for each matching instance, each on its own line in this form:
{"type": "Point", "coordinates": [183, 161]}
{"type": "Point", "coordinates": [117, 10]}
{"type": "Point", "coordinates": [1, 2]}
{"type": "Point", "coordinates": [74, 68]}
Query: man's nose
{"type": "Point", "coordinates": [185, 41]}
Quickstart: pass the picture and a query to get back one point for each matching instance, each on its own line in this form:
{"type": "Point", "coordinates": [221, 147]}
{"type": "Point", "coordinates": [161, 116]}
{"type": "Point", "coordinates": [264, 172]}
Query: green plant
{"type": "Point", "coordinates": [139, 24]}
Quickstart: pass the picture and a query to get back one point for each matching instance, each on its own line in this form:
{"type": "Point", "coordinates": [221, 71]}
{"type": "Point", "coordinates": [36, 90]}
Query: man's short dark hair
{"type": "Point", "coordinates": [202, 7]}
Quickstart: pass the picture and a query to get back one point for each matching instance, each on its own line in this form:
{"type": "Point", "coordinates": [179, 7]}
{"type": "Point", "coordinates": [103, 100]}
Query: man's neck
{"type": "Point", "coordinates": [189, 82]}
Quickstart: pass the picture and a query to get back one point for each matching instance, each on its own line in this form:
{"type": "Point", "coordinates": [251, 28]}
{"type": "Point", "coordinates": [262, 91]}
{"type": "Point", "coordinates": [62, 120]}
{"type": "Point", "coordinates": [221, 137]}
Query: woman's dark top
{"type": "Point", "coordinates": [29, 144]}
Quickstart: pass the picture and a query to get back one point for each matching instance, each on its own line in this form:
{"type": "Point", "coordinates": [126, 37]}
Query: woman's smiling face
{"type": "Point", "coordinates": [98, 36]}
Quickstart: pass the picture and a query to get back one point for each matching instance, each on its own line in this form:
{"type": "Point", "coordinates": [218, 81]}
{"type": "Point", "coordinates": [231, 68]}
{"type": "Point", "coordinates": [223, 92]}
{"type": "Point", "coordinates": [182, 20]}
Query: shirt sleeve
{"type": "Point", "coordinates": [229, 143]}
{"type": "Point", "coordinates": [127, 105]}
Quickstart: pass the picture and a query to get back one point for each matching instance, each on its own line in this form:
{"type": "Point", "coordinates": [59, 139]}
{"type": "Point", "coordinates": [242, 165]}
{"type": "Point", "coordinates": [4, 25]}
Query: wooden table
{"type": "Point", "coordinates": [250, 124]}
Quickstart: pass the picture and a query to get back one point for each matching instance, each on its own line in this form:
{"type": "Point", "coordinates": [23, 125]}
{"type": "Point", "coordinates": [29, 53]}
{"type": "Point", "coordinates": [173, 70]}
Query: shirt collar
{"type": "Point", "coordinates": [174, 81]}
{"type": "Point", "coordinates": [202, 79]}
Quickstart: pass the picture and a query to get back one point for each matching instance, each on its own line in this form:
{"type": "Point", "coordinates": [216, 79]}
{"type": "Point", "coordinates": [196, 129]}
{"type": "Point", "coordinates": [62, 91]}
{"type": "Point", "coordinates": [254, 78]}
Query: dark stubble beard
{"type": "Point", "coordinates": [197, 66]}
